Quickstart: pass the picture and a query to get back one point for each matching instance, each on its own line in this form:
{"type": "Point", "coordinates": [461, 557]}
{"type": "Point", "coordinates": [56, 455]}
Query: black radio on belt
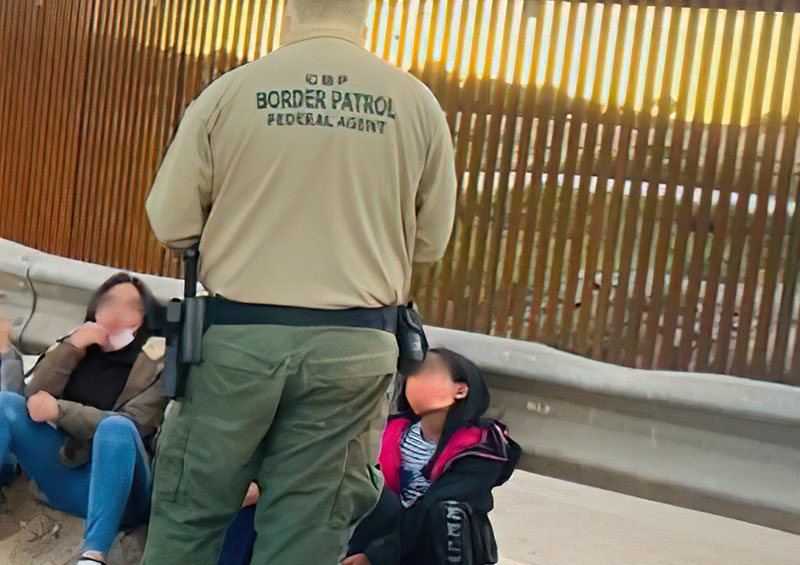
{"type": "Point", "coordinates": [411, 340]}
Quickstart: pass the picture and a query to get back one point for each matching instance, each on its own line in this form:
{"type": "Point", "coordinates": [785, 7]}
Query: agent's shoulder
{"type": "Point", "coordinates": [405, 78]}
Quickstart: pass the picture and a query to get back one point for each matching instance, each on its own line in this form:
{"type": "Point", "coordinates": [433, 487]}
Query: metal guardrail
{"type": "Point", "coordinates": [711, 442]}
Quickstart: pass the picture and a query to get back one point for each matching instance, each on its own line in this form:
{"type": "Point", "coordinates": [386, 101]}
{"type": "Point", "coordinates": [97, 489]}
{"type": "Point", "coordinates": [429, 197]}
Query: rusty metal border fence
{"type": "Point", "coordinates": [629, 172]}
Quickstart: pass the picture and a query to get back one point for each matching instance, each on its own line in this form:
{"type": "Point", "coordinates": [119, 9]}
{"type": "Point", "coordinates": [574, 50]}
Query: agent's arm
{"type": "Point", "coordinates": [436, 194]}
{"type": "Point", "coordinates": [180, 199]}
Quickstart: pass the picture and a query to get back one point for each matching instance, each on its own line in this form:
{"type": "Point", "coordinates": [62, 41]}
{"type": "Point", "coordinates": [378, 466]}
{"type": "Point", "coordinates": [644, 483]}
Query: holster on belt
{"type": "Point", "coordinates": [184, 329]}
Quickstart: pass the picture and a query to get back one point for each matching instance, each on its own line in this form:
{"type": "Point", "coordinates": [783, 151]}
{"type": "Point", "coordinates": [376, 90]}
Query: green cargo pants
{"type": "Point", "coordinates": [295, 407]}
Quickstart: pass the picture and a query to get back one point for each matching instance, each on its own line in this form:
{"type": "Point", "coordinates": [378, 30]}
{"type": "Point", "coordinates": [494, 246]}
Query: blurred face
{"type": "Point", "coordinates": [432, 388]}
{"type": "Point", "coordinates": [121, 308]}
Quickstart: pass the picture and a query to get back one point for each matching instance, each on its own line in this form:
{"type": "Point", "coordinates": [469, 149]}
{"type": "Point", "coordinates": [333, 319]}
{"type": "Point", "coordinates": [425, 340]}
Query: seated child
{"type": "Point", "coordinates": [240, 537]}
{"type": "Point", "coordinates": [440, 460]}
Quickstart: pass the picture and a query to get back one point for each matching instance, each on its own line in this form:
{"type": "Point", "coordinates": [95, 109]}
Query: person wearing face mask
{"type": "Point", "coordinates": [91, 406]}
{"type": "Point", "coordinates": [440, 459]}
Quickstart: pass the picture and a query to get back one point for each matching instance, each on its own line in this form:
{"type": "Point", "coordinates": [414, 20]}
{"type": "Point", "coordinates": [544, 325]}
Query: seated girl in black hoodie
{"type": "Point", "coordinates": [440, 460]}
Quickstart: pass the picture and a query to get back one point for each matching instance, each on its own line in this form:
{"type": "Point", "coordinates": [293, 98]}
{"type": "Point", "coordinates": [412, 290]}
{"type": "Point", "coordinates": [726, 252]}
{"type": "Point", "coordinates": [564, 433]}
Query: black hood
{"type": "Point", "coordinates": [469, 410]}
{"type": "Point", "coordinates": [465, 412]}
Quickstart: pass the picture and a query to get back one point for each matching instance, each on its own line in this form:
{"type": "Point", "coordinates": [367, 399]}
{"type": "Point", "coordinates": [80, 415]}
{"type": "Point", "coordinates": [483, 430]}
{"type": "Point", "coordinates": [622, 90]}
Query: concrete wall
{"type": "Point", "coordinates": [710, 442]}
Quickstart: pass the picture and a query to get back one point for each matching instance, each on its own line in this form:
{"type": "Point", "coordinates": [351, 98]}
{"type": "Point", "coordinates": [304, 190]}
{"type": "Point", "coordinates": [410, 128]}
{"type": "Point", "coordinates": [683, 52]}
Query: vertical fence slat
{"type": "Point", "coordinates": [6, 32]}
{"type": "Point", "coordinates": [520, 309]}
{"type": "Point", "coordinates": [743, 187]}
{"type": "Point", "coordinates": [76, 127]}
{"type": "Point", "coordinates": [405, 12]}
{"type": "Point", "coordinates": [162, 130]}
{"type": "Point", "coordinates": [587, 165]}
{"type": "Point", "coordinates": [563, 111]}
{"type": "Point", "coordinates": [464, 140]}
{"type": "Point", "coordinates": [26, 35]}
{"type": "Point", "coordinates": [437, 277]}
{"type": "Point", "coordinates": [33, 38]}
{"type": "Point", "coordinates": [547, 157]}
{"type": "Point", "coordinates": [633, 353]}
{"type": "Point", "coordinates": [131, 168]}
{"type": "Point", "coordinates": [7, 21]}
{"type": "Point", "coordinates": [106, 166]}
{"type": "Point", "coordinates": [53, 169]}
{"type": "Point", "coordinates": [104, 117]}
{"type": "Point", "coordinates": [726, 179]}
{"type": "Point", "coordinates": [274, 24]}
{"type": "Point", "coordinates": [601, 170]}
{"type": "Point", "coordinates": [683, 171]}
{"type": "Point", "coordinates": [41, 177]}
{"type": "Point", "coordinates": [523, 192]}
{"type": "Point", "coordinates": [702, 218]}
{"type": "Point", "coordinates": [144, 124]}
{"type": "Point", "coordinates": [666, 218]}
{"type": "Point", "coordinates": [617, 345]}
{"type": "Point", "coordinates": [120, 107]}
{"type": "Point", "coordinates": [83, 200]}
{"type": "Point", "coordinates": [579, 129]}
{"type": "Point", "coordinates": [776, 245]}
{"type": "Point", "coordinates": [605, 342]}
{"type": "Point", "coordinates": [263, 17]}
{"type": "Point", "coordinates": [131, 223]}
{"type": "Point", "coordinates": [477, 267]}
{"type": "Point", "coordinates": [474, 168]}
{"type": "Point", "coordinates": [44, 175]}
{"type": "Point", "coordinates": [764, 184]}
{"type": "Point", "coordinates": [499, 213]}
{"type": "Point", "coordinates": [17, 23]}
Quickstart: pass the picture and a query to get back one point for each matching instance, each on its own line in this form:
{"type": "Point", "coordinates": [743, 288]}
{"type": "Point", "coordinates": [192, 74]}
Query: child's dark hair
{"type": "Point", "coordinates": [122, 278]}
{"type": "Point", "coordinates": [463, 370]}
{"type": "Point", "coordinates": [455, 363]}
{"type": "Point", "coordinates": [457, 366]}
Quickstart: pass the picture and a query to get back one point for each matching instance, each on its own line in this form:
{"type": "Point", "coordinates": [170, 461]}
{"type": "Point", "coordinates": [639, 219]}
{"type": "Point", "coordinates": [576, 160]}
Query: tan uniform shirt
{"type": "Point", "coordinates": [312, 177]}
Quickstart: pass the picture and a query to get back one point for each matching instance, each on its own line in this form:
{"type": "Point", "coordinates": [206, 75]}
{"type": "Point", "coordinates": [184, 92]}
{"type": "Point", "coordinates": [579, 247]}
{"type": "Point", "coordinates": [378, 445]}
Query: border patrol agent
{"type": "Point", "coordinates": [311, 178]}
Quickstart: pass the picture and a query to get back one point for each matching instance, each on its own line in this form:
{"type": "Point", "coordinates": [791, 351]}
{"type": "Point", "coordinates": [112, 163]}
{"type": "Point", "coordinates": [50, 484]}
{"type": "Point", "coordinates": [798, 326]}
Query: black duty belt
{"type": "Point", "coordinates": [223, 312]}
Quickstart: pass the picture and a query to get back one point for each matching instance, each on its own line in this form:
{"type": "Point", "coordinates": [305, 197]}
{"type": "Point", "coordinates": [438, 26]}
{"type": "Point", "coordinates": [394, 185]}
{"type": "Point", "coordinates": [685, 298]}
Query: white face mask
{"type": "Point", "coordinates": [120, 339]}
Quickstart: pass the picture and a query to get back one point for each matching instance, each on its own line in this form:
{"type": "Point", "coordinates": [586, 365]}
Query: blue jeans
{"type": "Point", "coordinates": [113, 489]}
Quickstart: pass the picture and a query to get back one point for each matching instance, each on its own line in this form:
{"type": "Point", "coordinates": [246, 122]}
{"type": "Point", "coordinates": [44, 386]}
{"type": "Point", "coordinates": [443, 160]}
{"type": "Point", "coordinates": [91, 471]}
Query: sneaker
{"type": "Point", "coordinates": [91, 558]}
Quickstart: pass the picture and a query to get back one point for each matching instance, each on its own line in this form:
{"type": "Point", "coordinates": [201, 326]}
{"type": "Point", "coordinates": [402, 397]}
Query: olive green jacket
{"type": "Point", "coordinates": [141, 400]}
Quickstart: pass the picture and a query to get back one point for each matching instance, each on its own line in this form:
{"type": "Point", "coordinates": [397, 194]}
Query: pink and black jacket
{"type": "Point", "coordinates": [486, 439]}
{"type": "Point", "coordinates": [474, 455]}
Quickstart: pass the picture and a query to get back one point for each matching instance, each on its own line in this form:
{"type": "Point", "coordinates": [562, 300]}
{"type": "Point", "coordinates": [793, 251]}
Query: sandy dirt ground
{"type": "Point", "coordinates": [537, 520]}
{"type": "Point", "coordinates": [47, 537]}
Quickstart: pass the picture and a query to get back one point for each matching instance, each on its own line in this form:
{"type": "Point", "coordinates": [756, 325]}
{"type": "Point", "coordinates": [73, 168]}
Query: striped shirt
{"type": "Point", "coordinates": [415, 453]}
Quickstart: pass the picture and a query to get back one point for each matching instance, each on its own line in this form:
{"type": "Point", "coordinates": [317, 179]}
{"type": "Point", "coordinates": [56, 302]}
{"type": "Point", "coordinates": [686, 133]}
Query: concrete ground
{"type": "Point", "coordinates": [540, 520]}
{"type": "Point", "coordinates": [537, 520]}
